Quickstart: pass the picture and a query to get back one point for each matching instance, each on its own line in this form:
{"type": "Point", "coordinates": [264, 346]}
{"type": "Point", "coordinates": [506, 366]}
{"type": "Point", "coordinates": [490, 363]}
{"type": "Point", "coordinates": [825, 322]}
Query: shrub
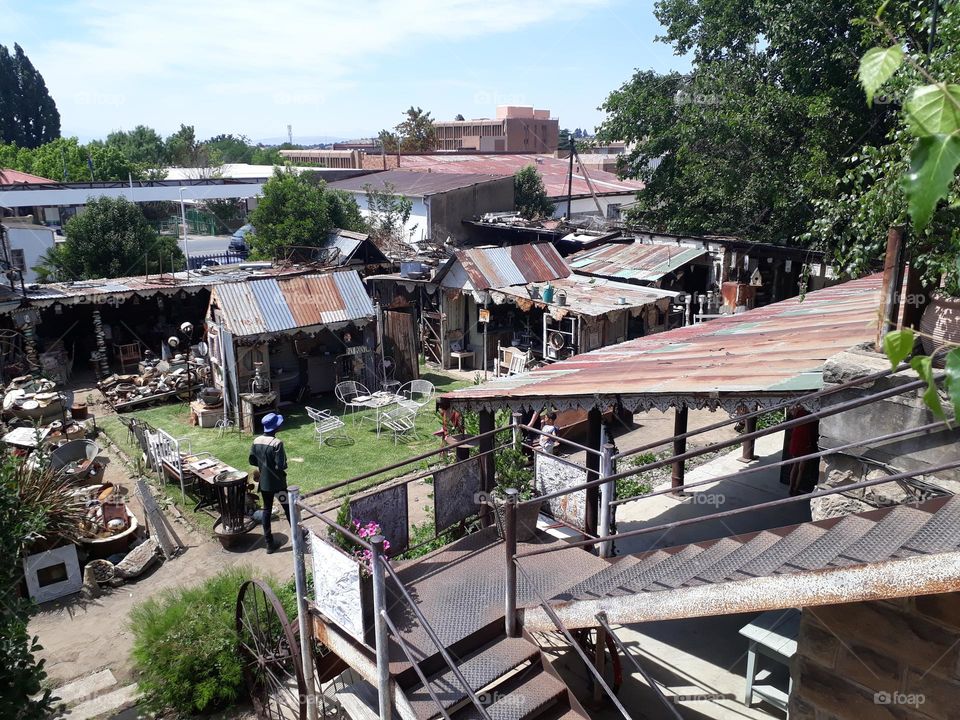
{"type": "Point", "coordinates": [185, 645]}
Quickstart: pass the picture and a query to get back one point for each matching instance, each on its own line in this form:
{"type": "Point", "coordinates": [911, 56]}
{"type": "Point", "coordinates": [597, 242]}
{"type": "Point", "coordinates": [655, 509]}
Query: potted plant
{"type": "Point", "coordinates": [513, 470]}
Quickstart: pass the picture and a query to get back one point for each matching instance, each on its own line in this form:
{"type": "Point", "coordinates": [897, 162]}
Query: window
{"type": "Point", "coordinates": [17, 258]}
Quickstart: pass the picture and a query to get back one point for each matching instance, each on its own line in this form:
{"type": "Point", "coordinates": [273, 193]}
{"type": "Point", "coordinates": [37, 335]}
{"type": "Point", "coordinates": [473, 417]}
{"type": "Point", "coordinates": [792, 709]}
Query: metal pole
{"type": "Point", "coordinates": [606, 497]}
{"type": "Point", "coordinates": [517, 419]}
{"type": "Point", "coordinates": [510, 544]}
{"type": "Point", "coordinates": [183, 220]}
{"type": "Point", "coordinates": [485, 351]}
{"type": "Point", "coordinates": [300, 580]}
{"type": "Point", "coordinates": [679, 445]}
{"type": "Point", "coordinates": [570, 182]}
{"type": "Point", "coordinates": [377, 558]}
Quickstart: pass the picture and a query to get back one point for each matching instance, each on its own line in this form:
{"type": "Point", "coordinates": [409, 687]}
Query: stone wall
{"type": "Point", "coordinates": [914, 452]}
{"type": "Point", "coordinates": [886, 660]}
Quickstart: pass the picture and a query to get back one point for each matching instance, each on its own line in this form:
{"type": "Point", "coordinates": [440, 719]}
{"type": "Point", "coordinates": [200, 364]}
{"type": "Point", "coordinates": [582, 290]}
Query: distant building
{"type": "Point", "coordinates": [324, 158]}
{"type": "Point", "coordinates": [27, 243]}
{"type": "Point", "coordinates": [517, 129]}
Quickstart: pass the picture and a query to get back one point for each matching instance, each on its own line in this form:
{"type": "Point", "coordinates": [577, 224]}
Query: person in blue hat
{"type": "Point", "coordinates": [268, 455]}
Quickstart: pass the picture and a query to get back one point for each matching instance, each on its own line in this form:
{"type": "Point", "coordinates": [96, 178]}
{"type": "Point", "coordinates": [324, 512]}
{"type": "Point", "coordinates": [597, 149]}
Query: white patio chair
{"type": "Point", "coordinates": [401, 420]}
{"type": "Point", "coordinates": [416, 394]}
{"type": "Point", "coordinates": [325, 422]}
{"type": "Point", "coordinates": [353, 395]}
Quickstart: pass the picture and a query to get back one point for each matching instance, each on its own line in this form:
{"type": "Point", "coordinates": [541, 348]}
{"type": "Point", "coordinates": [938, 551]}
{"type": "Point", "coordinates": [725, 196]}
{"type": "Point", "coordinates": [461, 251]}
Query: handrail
{"type": "Point", "coordinates": [789, 461]}
{"type": "Point", "coordinates": [654, 685]}
{"type": "Point", "coordinates": [825, 412]}
{"type": "Point", "coordinates": [416, 668]}
{"type": "Point", "coordinates": [825, 392]}
{"type": "Point", "coordinates": [573, 643]}
{"type": "Point", "coordinates": [435, 639]}
{"type": "Point", "coordinates": [760, 506]}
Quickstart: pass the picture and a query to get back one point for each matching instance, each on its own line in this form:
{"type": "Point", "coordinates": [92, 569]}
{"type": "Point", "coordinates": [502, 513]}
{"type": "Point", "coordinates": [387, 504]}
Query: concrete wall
{"type": "Point", "coordinates": [416, 225]}
{"type": "Point", "coordinates": [887, 660]}
{"type": "Point", "coordinates": [448, 210]}
{"type": "Point", "coordinates": [34, 240]}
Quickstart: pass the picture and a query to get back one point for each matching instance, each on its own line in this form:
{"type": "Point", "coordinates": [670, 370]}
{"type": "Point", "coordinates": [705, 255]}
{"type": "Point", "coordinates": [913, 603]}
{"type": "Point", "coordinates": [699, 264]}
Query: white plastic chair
{"type": "Point", "coordinates": [325, 422]}
{"type": "Point", "coordinates": [353, 395]}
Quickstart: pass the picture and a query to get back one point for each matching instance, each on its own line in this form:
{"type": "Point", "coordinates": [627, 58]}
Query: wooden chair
{"type": "Point", "coordinates": [128, 354]}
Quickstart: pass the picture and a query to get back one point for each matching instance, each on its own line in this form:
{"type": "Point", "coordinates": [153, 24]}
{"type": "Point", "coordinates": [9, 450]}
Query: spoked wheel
{"type": "Point", "coordinates": [612, 667]}
{"type": "Point", "coordinates": [271, 655]}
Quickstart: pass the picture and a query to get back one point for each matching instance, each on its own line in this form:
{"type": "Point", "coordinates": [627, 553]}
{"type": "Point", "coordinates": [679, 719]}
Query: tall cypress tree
{"type": "Point", "coordinates": [28, 115]}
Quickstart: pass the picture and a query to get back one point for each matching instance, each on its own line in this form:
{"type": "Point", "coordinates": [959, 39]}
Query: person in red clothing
{"type": "Point", "coordinates": [803, 441]}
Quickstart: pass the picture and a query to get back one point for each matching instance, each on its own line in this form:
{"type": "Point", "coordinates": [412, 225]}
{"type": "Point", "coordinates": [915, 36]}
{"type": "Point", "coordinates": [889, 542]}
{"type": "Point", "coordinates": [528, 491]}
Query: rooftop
{"type": "Point", "coordinates": [15, 177]}
{"type": "Point", "coordinates": [634, 261]}
{"type": "Point", "coordinates": [553, 170]}
{"type": "Point", "coordinates": [416, 184]}
{"type": "Point", "coordinates": [764, 355]}
{"type": "Point", "coordinates": [486, 268]}
{"type": "Point", "coordinates": [590, 297]}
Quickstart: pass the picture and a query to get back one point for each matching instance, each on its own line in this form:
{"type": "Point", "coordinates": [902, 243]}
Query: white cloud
{"type": "Point", "coordinates": [253, 64]}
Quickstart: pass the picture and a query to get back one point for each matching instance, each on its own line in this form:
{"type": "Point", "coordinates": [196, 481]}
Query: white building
{"type": "Point", "coordinates": [27, 243]}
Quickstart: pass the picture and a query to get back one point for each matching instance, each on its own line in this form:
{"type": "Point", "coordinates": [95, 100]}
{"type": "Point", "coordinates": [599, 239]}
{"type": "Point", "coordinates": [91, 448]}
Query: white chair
{"type": "Point", "coordinates": [401, 420]}
{"type": "Point", "coordinates": [353, 395]}
{"type": "Point", "coordinates": [416, 394]}
{"type": "Point", "coordinates": [325, 422]}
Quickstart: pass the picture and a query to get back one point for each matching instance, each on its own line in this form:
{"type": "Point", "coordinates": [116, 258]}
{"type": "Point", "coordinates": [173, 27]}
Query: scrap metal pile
{"type": "Point", "coordinates": [158, 379]}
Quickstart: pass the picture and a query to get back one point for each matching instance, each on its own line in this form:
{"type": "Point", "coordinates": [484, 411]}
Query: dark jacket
{"type": "Point", "coordinates": [267, 453]}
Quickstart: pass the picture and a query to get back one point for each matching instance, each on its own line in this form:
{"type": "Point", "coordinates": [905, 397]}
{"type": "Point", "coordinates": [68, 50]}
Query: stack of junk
{"type": "Point", "coordinates": [157, 380]}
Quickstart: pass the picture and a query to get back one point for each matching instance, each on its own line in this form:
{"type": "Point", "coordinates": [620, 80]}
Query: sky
{"type": "Point", "coordinates": [327, 67]}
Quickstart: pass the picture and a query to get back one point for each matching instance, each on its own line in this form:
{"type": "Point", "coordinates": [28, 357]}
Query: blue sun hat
{"type": "Point", "coordinates": [271, 421]}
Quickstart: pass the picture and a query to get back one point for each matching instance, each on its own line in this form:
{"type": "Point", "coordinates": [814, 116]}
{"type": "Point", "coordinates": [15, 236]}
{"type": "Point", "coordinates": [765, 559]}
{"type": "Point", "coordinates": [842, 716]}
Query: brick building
{"type": "Point", "coordinates": [516, 129]}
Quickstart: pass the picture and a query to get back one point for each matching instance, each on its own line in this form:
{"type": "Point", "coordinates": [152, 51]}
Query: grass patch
{"type": "Point", "coordinates": [311, 466]}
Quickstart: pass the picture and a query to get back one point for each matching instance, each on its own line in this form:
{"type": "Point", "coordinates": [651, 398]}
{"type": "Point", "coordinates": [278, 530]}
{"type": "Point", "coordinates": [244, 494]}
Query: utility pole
{"type": "Point", "coordinates": [570, 182]}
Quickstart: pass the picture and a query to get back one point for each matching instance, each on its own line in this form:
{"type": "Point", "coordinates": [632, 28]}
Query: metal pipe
{"type": "Point", "coordinates": [510, 546]}
{"type": "Point", "coordinates": [303, 613]}
{"type": "Point", "coordinates": [677, 474]}
{"type": "Point", "coordinates": [602, 619]}
{"type": "Point", "coordinates": [339, 528]}
{"type": "Point", "coordinates": [760, 506]}
{"type": "Point", "coordinates": [606, 501]}
{"type": "Point", "coordinates": [377, 562]}
{"type": "Point", "coordinates": [817, 415]}
{"type": "Point", "coordinates": [428, 629]}
{"type": "Point", "coordinates": [791, 461]}
{"type": "Point", "coordinates": [574, 644]}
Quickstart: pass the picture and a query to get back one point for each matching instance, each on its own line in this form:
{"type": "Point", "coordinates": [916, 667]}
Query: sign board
{"type": "Point", "coordinates": [455, 490]}
{"type": "Point", "coordinates": [553, 475]}
{"type": "Point", "coordinates": [484, 315]}
{"type": "Point", "coordinates": [336, 586]}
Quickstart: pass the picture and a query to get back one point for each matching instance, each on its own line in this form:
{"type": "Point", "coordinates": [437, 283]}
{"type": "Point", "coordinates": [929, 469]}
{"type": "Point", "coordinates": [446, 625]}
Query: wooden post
{"type": "Point", "coordinates": [679, 446]}
{"type": "Point", "coordinates": [747, 446]}
{"type": "Point", "coordinates": [890, 293]}
{"type": "Point", "coordinates": [594, 442]}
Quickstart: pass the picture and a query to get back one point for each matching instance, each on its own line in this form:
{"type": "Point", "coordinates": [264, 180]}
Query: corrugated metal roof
{"type": "Point", "coordinates": [515, 265]}
{"type": "Point", "coordinates": [270, 305]}
{"type": "Point", "coordinates": [414, 184]}
{"type": "Point", "coordinates": [775, 350]}
{"type": "Point", "coordinates": [592, 297]}
{"type": "Point", "coordinates": [634, 261]}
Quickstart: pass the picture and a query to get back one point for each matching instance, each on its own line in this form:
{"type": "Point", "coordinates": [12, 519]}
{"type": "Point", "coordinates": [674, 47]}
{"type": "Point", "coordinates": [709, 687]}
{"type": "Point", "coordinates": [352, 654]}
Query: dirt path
{"type": "Point", "coordinates": [80, 637]}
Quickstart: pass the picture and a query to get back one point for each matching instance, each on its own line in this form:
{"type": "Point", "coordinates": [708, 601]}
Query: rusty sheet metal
{"type": "Point", "coordinates": [517, 265]}
{"type": "Point", "coordinates": [635, 261]}
{"type": "Point", "coordinates": [354, 300]}
{"type": "Point", "coordinates": [776, 350]}
{"type": "Point", "coordinates": [238, 309]}
{"type": "Point", "coordinates": [273, 306]}
{"type": "Point", "coordinates": [592, 297]}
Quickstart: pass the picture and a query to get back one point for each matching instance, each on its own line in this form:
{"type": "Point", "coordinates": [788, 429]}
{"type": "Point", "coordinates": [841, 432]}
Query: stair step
{"type": "Point", "coordinates": [942, 531]}
{"type": "Point", "coordinates": [833, 542]}
{"type": "Point", "coordinates": [609, 579]}
{"type": "Point", "coordinates": [780, 552]}
{"type": "Point", "coordinates": [528, 698]}
{"type": "Point", "coordinates": [887, 536]}
{"type": "Point", "coordinates": [480, 669]}
{"type": "Point", "coordinates": [85, 688]}
{"type": "Point", "coordinates": [702, 562]}
{"type": "Point", "coordinates": [731, 563]}
{"type": "Point", "coordinates": [112, 702]}
{"type": "Point", "coordinates": [645, 575]}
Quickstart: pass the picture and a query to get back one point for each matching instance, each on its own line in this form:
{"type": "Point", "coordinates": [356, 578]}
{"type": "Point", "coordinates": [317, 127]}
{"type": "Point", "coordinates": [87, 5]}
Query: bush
{"type": "Point", "coordinates": [185, 644]}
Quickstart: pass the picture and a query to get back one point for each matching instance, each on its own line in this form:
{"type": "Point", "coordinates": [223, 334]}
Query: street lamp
{"type": "Point", "coordinates": [183, 221]}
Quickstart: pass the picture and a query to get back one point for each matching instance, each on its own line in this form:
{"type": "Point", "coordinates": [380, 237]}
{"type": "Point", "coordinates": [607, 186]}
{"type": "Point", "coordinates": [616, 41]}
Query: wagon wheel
{"type": "Point", "coordinates": [271, 656]}
{"type": "Point", "coordinates": [613, 668]}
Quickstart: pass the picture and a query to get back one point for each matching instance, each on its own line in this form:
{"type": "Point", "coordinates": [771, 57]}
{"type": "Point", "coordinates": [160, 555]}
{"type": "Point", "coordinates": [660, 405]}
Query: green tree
{"type": "Point", "coordinates": [231, 149]}
{"type": "Point", "coordinates": [184, 150]}
{"type": "Point", "coordinates": [757, 131]}
{"type": "Point", "coordinates": [459, 118]}
{"type": "Point", "coordinates": [389, 213]}
{"type": "Point", "coordinates": [143, 146]}
{"type": "Point", "coordinates": [416, 133]}
{"type": "Point", "coordinates": [28, 115]}
{"type": "Point", "coordinates": [109, 238]}
{"type": "Point", "coordinates": [529, 194]}
{"type": "Point", "coordinates": [295, 210]}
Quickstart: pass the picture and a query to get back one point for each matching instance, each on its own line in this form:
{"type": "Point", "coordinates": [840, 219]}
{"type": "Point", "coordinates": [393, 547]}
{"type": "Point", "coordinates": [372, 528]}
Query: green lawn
{"type": "Point", "coordinates": [310, 465]}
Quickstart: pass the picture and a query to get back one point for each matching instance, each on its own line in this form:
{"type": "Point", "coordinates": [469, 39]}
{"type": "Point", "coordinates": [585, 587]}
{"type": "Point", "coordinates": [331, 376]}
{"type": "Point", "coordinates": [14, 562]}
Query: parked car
{"type": "Point", "coordinates": [238, 243]}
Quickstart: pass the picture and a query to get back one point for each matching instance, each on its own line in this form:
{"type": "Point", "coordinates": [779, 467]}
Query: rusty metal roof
{"type": "Point", "coordinates": [634, 261]}
{"type": "Point", "coordinates": [501, 267]}
{"type": "Point", "coordinates": [766, 354]}
{"type": "Point", "coordinates": [414, 184]}
{"type": "Point", "coordinates": [591, 297]}
{"type": "Point", "coordinates": [271, 305]}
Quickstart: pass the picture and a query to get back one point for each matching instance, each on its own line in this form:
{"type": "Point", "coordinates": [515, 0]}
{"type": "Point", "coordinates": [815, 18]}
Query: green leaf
{"type": "Point", "coordinates": [934, 110]}
{"type": "Point", "coordinates": [933, 161]}
{"type": "Point", "coordinates": [877, 66]}
{"type": "Point", "coordinates": [923, 365]}
{"type": "Point", "coordinates": [897, 345]}
{"type": "Point", "coordinates": [953, 380]}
